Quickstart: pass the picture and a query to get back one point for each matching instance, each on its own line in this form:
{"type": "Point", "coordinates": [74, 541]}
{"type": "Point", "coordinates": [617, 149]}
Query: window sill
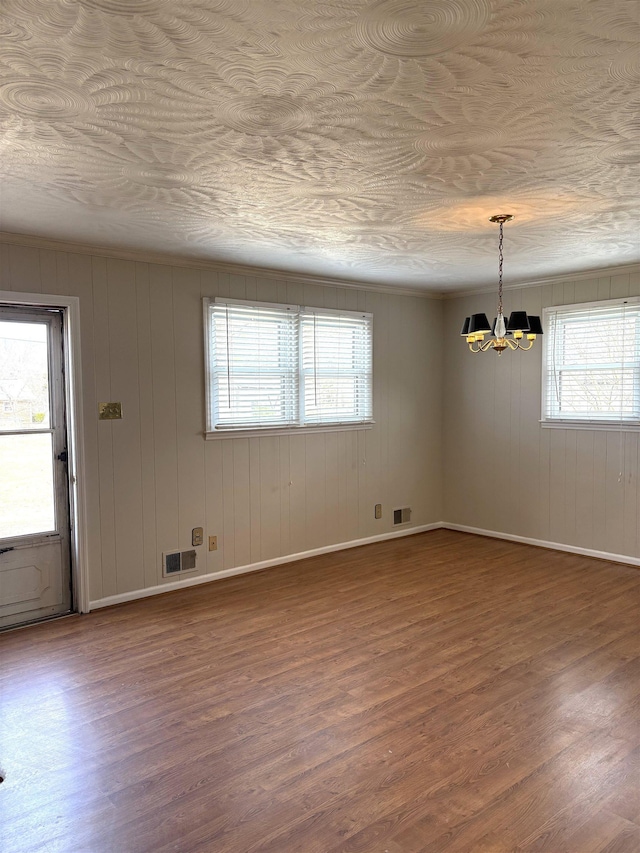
{"type": "Point", "coordinates": [268, 431]}
{"type": "Point", "coordinates": [611, 426]}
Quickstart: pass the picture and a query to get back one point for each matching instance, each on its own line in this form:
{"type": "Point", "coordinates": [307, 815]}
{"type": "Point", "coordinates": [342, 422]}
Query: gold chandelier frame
{"type": "Point", "coordinates": [510, 334]}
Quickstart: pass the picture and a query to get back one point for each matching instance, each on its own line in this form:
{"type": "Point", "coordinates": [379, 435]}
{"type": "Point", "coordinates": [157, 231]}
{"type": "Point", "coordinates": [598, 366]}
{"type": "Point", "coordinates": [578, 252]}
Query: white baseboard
{"type": "Point", "coordinates": [355, 543]}
{"type": "Point", "coordinates": [541, 543]}
{"type": "Point", "coordinates": [255, 567]}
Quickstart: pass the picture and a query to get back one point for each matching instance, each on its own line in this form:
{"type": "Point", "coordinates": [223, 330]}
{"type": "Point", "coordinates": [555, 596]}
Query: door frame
{"type": "Point", "coordinates": [72, 365]}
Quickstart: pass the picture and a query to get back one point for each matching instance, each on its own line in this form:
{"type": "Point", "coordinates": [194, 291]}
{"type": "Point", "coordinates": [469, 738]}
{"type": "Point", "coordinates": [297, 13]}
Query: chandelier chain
{"type": "Point", "coordinates": [505, 334]}
{"type": "Point", "coordinates": [501, 261]}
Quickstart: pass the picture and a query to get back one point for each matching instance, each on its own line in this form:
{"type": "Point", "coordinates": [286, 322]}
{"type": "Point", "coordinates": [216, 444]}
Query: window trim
{"type": "Point", "coordinates": [547, 421]}
{"type": "Point", "coordinates": [213, 433]}
{"type": "Point", "coordinates": [257, 432]}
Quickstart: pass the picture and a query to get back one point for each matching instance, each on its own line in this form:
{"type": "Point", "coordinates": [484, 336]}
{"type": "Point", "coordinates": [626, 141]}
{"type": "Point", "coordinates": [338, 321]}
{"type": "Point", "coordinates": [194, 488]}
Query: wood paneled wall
{"type": "Point", "coordinates": [152, 477]}
{"type": "Point", "coordinates": [506, 473]}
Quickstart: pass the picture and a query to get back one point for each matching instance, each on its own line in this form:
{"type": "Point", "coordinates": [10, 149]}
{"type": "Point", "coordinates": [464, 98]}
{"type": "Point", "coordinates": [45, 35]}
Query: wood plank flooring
{"type": "Point", "coordinates": [402, 697]}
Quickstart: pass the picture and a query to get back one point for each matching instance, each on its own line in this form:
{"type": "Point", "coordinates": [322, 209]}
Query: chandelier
{"type": "Point", "coordinates": [509, 334]}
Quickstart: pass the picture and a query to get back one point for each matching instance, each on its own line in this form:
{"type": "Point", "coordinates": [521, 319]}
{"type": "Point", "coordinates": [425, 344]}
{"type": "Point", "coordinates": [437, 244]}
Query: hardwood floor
{"type": "Point", "coordinates": [395, 698]}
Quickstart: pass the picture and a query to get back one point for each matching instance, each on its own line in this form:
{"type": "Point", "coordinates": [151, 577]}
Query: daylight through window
{"type": "Point", "coordinates": [286, 366]}
{"type": "Point", "coordinates": [592, 363]}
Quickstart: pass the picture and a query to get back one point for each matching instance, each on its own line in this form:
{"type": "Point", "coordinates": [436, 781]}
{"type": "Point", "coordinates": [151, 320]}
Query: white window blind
{"type": "Point", "coordinates": [253, 365]}
{"type": "Point", "coordinates": [336, 366]}
{"type": "Point", "coordinates": [286, 366]}
{"type": "Point", "coordinates": [592, 362]}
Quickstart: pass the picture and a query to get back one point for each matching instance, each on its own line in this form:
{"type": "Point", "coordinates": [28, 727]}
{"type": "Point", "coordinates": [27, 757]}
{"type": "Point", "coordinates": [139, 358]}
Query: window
{"type": "Point", "coordinates": [280, 367]}
{"type": "Point", "coordinates": [592, 363]}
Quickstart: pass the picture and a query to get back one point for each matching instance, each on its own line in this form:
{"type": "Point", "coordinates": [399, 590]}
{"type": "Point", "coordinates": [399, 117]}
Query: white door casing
{"type": "Point", "coordinates": [30, 572]}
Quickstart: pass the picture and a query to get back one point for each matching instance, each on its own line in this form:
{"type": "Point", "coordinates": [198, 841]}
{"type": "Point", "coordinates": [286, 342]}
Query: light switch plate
{"type": "Point", "coordinates": [197, 536]}
{"type": "Point", "coordinates": [109, 411]}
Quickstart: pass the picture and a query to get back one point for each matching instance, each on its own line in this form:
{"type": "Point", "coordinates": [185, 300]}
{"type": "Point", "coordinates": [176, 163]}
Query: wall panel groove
{"type": "Point", "coordinates": [152, 477]}
{"type": "Point", "coordinates": [504, 472]}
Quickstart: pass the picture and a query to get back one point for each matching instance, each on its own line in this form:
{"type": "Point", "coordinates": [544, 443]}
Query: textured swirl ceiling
{"type": "Point", "coordinates": [367, 139]}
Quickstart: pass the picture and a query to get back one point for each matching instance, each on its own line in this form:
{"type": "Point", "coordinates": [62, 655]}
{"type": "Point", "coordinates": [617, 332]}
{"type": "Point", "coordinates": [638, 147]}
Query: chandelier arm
{"type": "Point", "coordinates": [513, 345]}
{"type": "Point", "coordinates": [525, 349]}
{"type": "Point", "coordinates": [486, 345]}
{"type": "Point", "coordinates": [472, 349]}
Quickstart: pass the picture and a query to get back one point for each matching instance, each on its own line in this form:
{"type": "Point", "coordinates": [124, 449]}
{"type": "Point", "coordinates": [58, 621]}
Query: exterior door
{"type": "Point", "coordinates": [35, 567]}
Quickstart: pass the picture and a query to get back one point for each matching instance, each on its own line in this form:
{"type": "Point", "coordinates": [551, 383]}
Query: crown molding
{"type": "Point", "coordinates": [583, 275]}
{"type": "Point", "coordinates": [166, 259]}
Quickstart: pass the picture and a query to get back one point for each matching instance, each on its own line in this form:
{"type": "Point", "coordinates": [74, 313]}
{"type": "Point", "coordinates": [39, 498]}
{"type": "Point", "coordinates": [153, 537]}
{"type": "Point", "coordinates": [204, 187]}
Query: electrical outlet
{"type": "Point", "coordinates": [378, 511]}
{"type": "Point", "coordinates": [213, 543]}
{"type": "Point", "coordinates": [197, 536]}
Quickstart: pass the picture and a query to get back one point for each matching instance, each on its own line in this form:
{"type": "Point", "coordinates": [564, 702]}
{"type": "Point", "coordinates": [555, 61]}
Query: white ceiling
{"type": "Point", "coordinates": [366, 139]}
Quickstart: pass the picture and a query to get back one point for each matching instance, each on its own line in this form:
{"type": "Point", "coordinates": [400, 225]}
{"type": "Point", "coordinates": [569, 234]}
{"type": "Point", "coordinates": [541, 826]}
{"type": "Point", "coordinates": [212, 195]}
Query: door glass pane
{"type": "Point", "coordinates": [24, 376]}
{"type": "Point", "coordinates": [26, 484]}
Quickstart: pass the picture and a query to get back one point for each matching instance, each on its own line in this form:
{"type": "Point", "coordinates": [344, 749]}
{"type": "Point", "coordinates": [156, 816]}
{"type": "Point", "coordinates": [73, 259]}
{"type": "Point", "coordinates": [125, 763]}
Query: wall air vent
{"type": "Point", "coordinates": [402, 516]}
{"type": "Point", "coordinates": [177, 562]}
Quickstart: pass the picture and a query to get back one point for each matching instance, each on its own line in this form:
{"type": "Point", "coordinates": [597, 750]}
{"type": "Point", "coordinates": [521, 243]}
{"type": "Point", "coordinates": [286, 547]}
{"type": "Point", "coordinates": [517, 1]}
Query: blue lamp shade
{"type": "Point", "coordinates": [535, 326]}
{"type": "Point", "coordinates": [465, 327]}
{"type": "Point", "coordinates": [518, 322]}
{"type": "Point", "coordinates": [479, 325]}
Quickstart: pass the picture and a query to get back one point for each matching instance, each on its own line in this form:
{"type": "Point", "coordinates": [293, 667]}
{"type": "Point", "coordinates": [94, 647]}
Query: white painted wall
{"type": "Point", "coordinates": [152, 477]}
{"type": "Point", "coordinates": [506, 473]}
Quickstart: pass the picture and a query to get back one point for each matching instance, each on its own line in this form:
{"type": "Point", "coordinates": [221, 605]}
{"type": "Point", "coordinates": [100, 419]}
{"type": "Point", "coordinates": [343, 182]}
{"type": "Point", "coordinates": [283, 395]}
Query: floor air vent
{"type": "Point", "coordinates": [402, 516]}
{"type": "Point", "coordinates": [177, 562]}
